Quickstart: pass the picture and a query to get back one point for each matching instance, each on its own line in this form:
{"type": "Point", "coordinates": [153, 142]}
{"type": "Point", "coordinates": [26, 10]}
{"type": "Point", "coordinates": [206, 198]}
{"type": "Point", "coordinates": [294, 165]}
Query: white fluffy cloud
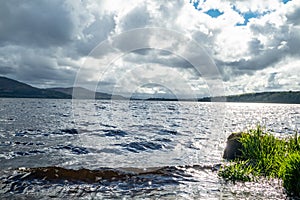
{"type": "Point", "coordinates": [255, 44]}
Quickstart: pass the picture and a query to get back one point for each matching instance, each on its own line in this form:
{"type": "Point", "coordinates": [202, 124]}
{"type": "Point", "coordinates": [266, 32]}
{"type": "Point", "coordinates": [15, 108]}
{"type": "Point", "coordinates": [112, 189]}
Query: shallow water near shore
{"type": "Point", "coordinates": [151, 150]}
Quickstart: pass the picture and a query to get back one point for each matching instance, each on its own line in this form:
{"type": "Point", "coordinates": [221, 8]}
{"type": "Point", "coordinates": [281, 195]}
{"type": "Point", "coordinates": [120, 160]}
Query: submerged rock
{"type": "Point", "coordinates": [58, 174]}
{"type": "Point", "coordinates": [234, 147]}
{"type": "Point", "coordinates": [53, 173]}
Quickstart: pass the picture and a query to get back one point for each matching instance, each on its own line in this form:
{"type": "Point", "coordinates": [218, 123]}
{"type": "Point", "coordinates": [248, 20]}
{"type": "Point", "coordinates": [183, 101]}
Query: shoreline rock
{"type": "Point", "coordinates": [233, 149]}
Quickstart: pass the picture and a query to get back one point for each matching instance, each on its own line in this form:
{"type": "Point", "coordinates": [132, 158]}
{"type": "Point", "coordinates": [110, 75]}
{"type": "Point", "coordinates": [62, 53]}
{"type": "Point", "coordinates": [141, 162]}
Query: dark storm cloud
{"type": "Point", "coordinates": [31, 32]}
{"type": "Point", "coordinates": [39, 38]}
{"type": "Point", "coordinates": [255, 46]}
{"type": "Point", "coordinates": [5, 70]}
{"type": "Point", "coordinates": [143, 52]}
{"type": "Point", "coordinates": [157, 56]}
{"type": "Point", "coordinates": [47, 41]}
{"type": "Point", "coordinates": [41, 23]}
{"type": "Point", "coordinates": [128, 41]}
{"type": "Point", "coordinates": [272, 83]}
{"type": "Point", "coordinates": [36, 68]}
{"type": "Point", "coordinates": [94, 34]}
{"type": "Point", "coordinates": [137, 18]}
{"type": "Point", "coordinates": [293, 42]}
{"type": "Point", "coordinates": [294, 17]}
{"type": "Point", "coordinates": [285, 43]}
{"type": "Point", "coordinates": [266, 59]}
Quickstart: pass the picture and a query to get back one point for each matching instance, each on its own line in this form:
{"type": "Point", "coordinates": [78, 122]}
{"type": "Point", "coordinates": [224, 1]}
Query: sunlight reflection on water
{"type": "Point", "coordinates": [37, 133]}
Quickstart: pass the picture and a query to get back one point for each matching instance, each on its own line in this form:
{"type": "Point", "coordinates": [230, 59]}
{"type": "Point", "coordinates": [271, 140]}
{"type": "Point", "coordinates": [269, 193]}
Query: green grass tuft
{"type": "Point", "coordinates": [265, 155]}
{"type": "Point", "coordinates": [241, 171]}
{"type": "Point", "coordinates": [290, 174]}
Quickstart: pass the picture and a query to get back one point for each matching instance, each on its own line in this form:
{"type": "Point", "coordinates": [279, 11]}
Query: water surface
{"type": "Point", "coordinates": [178, 143]}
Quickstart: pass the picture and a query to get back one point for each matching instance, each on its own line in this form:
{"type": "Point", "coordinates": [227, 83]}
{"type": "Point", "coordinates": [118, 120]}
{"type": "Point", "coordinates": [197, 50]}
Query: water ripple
{"type": "Point", "coordinates": [113, 133]}
{"type": "Point", "coordinates": [73, 149]}
{"type": "Point", "coordinates": [137, 147]}
{"type": "Point", "coordinates": [36, 133]}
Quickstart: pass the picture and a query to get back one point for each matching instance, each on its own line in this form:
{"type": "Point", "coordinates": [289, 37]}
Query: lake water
{"type": "Point", "coordinates": [160, 150]}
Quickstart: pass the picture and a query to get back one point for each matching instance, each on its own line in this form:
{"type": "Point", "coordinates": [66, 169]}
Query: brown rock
{"type": "Point", "coordinates": [234, 147]}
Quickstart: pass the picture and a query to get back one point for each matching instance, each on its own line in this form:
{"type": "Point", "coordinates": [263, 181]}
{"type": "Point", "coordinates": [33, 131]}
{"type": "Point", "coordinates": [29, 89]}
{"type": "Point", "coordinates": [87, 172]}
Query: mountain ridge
{"type": "Point", "coordinates": [10, 88]}
{"type": "Point", "coordinates": [83, 93]}
{"type": "Point", "coordinates": [290, 97]}
{"type": "Point", "coordinates": [15, 89]}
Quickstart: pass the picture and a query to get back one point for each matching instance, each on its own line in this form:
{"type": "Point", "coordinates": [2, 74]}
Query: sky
{"type": "Point", "coordinates": [182, 47]}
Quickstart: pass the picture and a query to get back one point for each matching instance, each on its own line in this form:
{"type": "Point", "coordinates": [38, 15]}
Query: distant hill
{"type": "Point", "coordinates": [16, 89]}
{"type": "Point", "coordinates": [267, 97]}
{"type": "Point", "coordinates": [292, 97]}
{"type": "Point", "coordinates": [82, 93]}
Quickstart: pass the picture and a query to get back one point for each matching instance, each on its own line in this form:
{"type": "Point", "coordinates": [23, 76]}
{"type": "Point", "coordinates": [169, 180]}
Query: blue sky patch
{"type": "Point", "coordinates": [195, 4]}
{"type": "Point", "coordinates": [285, 1]}
{"type": "Point", "coordinates": [214, 13]}
{"type": "Point", "coordinates": [248, 15]}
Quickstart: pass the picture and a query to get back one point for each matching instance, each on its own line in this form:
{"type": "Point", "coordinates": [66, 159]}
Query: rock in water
{"type": "Point", "coordinates": [234, 147]}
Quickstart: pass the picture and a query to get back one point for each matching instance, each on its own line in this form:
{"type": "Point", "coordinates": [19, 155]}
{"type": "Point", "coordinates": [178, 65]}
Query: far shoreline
{"type": "Point", "coordinates": [153, 100]}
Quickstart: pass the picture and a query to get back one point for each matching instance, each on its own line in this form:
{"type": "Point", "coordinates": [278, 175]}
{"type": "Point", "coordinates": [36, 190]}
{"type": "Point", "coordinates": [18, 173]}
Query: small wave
{"type": "Point", "coordinates": [21, 134]}
{"type": "Point", "coordinates": [111, 133]}
{"type": "Point", "coordinates": [167, 132]}
{"type": "Point", "coordinates": [27, 153]}
{"type": "Point", "coordinates": [172, 107]}
{"type": "Point", "coordinates": [73, 149]}
{"type": "Point", "coordinates": [64, 115]}
{"type": "Point", "coordinates": [107, 125]}
{"type": "Point", "coordinates": [31, 132]}
{"type": "Point", "coordinates": [5, 143]}
{"type": "Point", "coordinates": [71, 131]}
{"type": "Point", "coordinates": [101, 107]}
{"type": "Point", "coordinates": [109, 150]}
{"type": "Point", "coordinates": [23, 153]}
{"type": "Point", "coordinates": [29, 143]}
{"type": "Point", "coordinates": [163, 140]}
{"type": "Point", "coordinates": [137, 147]}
